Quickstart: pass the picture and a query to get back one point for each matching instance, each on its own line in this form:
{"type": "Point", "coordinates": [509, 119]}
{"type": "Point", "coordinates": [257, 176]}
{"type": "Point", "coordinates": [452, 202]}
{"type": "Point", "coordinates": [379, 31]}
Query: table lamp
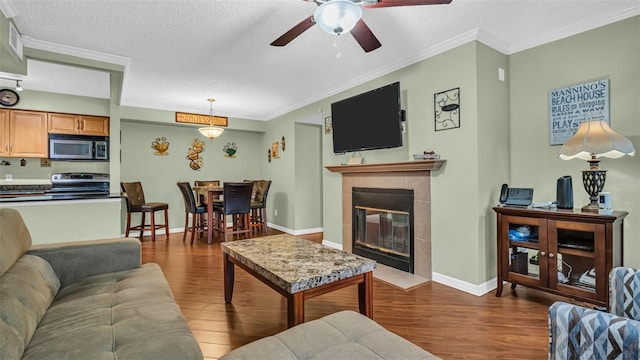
{"type": "Point", "coordinates": [593, 140]}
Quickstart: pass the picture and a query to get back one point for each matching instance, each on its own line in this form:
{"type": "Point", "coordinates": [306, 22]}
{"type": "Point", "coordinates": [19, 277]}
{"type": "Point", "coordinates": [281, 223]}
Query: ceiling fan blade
{"type": "Point", "coordinates": [364, 36]}
{"type": "Point", "coordinates": [390, 3]}
{"type": "Point", "coordinates": [294, 32]}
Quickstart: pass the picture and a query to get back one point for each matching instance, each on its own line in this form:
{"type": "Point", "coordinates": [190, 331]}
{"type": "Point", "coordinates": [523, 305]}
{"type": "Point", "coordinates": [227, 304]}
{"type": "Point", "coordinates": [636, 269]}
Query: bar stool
{"type": "Point", "coordinates": [236, 202]}
{"type": "Point", "coordinates": [137, 204]}
{"type": "Point", "coordinates": [196, 211]}
{"type": "Point", "coordinates": [259, 204]}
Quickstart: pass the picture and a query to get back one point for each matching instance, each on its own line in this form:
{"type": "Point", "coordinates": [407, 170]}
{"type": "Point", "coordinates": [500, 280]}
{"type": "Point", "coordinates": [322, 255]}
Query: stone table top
{"type": "Point", "coordinates": [296, 264]}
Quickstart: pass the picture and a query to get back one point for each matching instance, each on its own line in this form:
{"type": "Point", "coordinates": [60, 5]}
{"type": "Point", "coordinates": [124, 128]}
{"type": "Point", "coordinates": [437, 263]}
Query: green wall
{"type": "Point", "coordinates": [159, 174]}
{"type": "Point", "coordinates": [611, 51]}
{"type": "Point", "coordinates": [308, 167]}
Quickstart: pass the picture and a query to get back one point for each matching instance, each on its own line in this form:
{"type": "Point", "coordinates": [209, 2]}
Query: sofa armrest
{"type": "Point", "coordinates": [576, 332]}
{"type": "Point", "coordinates": [73, 261]}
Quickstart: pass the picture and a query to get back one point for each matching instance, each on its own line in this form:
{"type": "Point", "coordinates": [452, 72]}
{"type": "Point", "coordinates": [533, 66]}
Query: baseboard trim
{"type": "Point", "coordinates": [295, 232]}
{"type": "Point", "coordinates": [477, 290]}
{"type": "Point", "coordinates": [331, 244]}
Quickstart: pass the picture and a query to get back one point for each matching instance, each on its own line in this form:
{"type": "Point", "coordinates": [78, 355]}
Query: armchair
{"type": "Point", "coordinates": [576, 332]}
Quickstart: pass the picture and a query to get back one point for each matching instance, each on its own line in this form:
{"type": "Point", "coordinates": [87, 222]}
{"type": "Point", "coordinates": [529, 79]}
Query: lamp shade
{"type": "Point", "coordinates": [337, 16]}
{"type": "Point", "coordinates": [211, 132]}
{"type": "Point", "coordinates": [596, 139]}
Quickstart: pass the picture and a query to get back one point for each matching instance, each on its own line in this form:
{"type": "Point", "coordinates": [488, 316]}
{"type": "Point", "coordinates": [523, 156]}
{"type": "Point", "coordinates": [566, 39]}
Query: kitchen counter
{"type": "Point", "coordinates": [41, 196]}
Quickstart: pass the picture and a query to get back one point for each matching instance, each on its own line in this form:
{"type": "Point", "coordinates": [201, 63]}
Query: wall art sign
{"type": "Point", "coordinates": [446, 106]}
{"type": "Point", "coordinates": [275, 150]}
{"type": "Point", "coordinates": [572, 105]}
{"type": "Point", "coordinates": [201, 119]}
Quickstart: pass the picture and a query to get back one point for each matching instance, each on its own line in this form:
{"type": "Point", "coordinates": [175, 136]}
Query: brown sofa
{"type": "Point", "coordinates": [87, 300]}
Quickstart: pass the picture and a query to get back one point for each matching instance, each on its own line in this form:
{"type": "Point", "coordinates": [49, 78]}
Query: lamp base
{"type": "Point", "coordinates": [593, 181]}
{"type": "Point", "coordinates": [590, 208]}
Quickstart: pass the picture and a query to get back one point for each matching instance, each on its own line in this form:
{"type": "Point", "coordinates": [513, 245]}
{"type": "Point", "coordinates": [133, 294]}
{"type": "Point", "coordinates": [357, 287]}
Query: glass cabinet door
{"type": "Point", "coordinates": [526, 248]}
{"type": "Point", "coordinates": [573, 247]}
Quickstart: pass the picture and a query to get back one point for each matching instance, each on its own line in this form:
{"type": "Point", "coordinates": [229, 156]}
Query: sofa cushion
{"type": "Point", "coordinates": [15, 239]}
{"type": "Point", "coordinates": [26, 291]}
{"type": "Point", "coordinates": [343, 335]}
{"type": "Point", "coordinates": [122, 315]}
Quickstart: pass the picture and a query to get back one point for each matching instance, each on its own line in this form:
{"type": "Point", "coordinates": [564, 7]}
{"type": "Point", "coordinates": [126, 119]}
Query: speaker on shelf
{"type": "Point", "coordinates": [564, 193]}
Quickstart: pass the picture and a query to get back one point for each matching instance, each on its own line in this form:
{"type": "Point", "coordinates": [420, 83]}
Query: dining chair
{"type": "Point", "coordinates": [196, 211]}
{"type": "Point", "coordinates": [202, 195]}
{"type": "Point", "coordinates": [259, 204]}
{"type": "Point", "coordinates": [136, 203]}
{"type": "Point", "coordinates": [236, 203]}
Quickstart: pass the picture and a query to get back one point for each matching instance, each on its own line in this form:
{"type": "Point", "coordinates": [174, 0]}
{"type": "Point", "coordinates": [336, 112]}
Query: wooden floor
{"type": "Point", "coordinates": [449, 323]}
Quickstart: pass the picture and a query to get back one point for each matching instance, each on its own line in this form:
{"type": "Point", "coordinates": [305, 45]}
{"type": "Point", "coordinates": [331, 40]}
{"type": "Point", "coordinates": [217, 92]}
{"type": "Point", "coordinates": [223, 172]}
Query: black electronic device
{"type": "Point", "coordinates": [516, 197]}
{"type": "Point", "coordinates": [564, 193]}
{"type": "Point", "coordinates": [368, 121]}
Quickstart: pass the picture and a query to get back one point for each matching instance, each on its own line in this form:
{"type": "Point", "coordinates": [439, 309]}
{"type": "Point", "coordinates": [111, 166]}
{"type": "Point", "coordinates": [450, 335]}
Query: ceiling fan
{"type": "Point", "coordinates": [339, 16]}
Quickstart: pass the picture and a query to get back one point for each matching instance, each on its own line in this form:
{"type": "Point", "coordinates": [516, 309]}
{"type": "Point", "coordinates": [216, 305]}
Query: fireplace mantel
{"type": "Point", "coordinates": [416, 165]}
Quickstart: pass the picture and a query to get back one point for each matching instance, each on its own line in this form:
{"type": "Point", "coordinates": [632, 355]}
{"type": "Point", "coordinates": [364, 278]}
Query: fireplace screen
{"type": "Point", "coordinates": [383, 226]}
{"type": "Point", "coordinates": [384, 230]}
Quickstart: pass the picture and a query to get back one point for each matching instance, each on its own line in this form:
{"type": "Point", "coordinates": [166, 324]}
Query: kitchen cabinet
{"type": "Point", "coordinates": [24, 134]}
{"type": "Point", "coordinates": [78, 124]}
{"type": "Point", "coordinates": [564, 252]}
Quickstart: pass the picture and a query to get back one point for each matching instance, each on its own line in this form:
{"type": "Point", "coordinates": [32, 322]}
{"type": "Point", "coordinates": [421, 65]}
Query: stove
{"type": "Point", "coordinates": [74, 185]}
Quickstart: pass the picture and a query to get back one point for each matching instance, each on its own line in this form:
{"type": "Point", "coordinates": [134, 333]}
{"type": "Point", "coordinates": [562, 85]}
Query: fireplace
{"type": "Point", "coordinates": [383, 226]}
{"type": "Point", "coordinates": [414, 175]}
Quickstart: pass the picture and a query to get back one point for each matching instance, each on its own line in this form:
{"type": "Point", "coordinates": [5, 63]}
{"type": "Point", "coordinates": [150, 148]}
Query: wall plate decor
{"type": "Point", "coordinates": [160, 145]}
{"type": "Point", "coordinates": [572, 105]}
{"type": "Point", "coordinates": [275, 150]}
{"type": "Point", "coordinates": [193, 154]}
{"type": "Point", "coordinates": [282, 142]}
{"type": "Point", "coordinates": [446, 107]}
{"type": "Point", "coordinates": [9, 97]}
{"type": "Point", "coordinates": [230, 150]}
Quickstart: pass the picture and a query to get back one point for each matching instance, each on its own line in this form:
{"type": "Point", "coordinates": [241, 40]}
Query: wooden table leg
{"type": "Point", "coordinates": [365, 295]}
{"type": "Point", "coordinates": [295, 309]}
{"type": "Point", "coordinates": [210, 218]}
{"type": "Point", "coordinates": [229, 275]}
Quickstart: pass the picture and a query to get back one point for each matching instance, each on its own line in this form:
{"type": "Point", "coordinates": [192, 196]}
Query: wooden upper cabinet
{"type": "Point", "coordinates": [94, 125]}
{"type": "Point", "coordinates": [27, 134]}
{"type": "Point", "coordinates": [78, 124]}
{"type": "Point", "coordinates": [4, 132]}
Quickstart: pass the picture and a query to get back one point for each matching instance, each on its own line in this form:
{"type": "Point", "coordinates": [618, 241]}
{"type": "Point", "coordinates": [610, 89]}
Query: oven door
{"type": "Point", "coordinates": [70, 149]}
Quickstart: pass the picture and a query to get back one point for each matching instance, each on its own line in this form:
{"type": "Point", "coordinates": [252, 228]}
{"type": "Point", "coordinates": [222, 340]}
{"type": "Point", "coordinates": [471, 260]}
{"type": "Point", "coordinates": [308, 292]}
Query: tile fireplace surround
{"type": "Point", "coordinates": [414, 175]}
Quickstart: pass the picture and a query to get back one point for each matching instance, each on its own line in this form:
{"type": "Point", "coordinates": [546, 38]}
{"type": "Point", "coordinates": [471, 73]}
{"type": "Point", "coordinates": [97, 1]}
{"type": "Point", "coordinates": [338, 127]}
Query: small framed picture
{"type": "Point", "coordinates": [327, 125]}
{"type": "Point", "coordinates": [275, 150]}
{"type": "Point", "coordinates": [446, 107]}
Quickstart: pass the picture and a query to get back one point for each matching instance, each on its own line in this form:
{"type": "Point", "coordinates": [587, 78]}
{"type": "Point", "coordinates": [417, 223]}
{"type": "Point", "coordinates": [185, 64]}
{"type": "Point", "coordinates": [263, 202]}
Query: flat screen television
{"type": "Point", "coordinates": [368, 121]}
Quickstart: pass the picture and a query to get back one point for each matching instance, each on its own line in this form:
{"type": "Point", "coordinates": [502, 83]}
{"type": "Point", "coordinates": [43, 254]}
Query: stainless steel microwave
{"type": "Point", "coordinates": [78, 147]}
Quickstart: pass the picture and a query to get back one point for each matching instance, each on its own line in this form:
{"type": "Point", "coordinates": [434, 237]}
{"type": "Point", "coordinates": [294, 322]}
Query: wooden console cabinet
{"type": "Point", "coordinates": [564, 252]}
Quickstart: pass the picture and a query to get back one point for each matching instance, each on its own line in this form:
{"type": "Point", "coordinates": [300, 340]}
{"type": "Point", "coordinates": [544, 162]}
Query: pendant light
{"type": "Point", "coordinates": [211, 131]}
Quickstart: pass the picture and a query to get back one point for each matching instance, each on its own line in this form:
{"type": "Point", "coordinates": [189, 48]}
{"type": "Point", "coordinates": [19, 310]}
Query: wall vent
{"type": "Point", "coordinates": [15, 40]}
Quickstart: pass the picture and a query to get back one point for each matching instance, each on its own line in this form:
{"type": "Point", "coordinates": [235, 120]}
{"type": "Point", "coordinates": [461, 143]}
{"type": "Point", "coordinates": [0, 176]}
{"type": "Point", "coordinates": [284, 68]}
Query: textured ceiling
{"type": "Point", "coordinates": [178, 53]}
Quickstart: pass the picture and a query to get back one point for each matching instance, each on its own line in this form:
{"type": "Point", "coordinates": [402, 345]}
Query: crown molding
{"type": "Point", "coordinates": [417, 57]}
{"type": "Point", "coordinates": [74, 51]}
{"type": "Point", "coordinates": [8, 9]}
{"type": "Point", "coordinates": [573, 29]}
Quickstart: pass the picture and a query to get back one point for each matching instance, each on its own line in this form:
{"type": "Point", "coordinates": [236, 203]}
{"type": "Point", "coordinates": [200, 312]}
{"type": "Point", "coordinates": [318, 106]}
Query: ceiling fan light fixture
{"type": "Point", "coordinates": [337, 16]}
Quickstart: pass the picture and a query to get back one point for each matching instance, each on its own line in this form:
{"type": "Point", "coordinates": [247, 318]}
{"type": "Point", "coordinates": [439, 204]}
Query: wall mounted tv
{"type": "Point", "coordinates": [368, 121]}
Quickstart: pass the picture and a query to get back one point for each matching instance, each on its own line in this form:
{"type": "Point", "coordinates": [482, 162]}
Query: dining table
{"type": "Point", "coordinates": [211, 192]}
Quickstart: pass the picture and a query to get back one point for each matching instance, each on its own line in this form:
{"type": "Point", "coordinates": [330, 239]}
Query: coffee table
{"type": "Point", "coordinates": [298, 269]}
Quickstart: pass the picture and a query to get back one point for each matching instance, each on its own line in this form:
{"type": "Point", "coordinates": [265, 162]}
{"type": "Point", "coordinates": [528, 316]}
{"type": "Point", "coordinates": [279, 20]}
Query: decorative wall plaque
{"type": "Point", "coordinates": [201, 119]}
{"type": "Point", "coordinates": [446, 106]}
